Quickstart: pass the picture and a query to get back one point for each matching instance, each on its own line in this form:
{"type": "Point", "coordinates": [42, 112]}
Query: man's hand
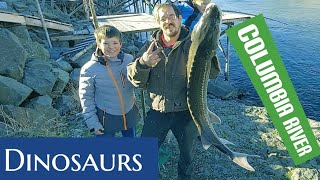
{"type": "Point", "coordinates": [151, 58]}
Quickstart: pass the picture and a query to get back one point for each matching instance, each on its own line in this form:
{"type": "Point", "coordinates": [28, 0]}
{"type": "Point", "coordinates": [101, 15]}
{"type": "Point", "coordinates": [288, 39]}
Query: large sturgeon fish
{"type": "Point", "coordinates": [205, 36]}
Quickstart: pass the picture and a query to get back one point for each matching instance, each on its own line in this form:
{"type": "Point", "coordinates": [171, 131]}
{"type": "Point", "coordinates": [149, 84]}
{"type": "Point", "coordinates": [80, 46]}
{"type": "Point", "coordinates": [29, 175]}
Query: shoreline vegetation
{"type": "Point", "coordinates": [52, 108]}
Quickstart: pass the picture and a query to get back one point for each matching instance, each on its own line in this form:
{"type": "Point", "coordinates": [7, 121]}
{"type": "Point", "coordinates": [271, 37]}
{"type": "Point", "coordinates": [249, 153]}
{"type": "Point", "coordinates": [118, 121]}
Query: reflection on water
{"type": "Point", "coordinates": [297, 40]}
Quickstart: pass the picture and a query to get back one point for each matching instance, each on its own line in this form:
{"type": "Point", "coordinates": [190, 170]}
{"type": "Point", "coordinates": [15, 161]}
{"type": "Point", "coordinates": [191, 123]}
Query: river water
{"type": "Point", "coordinates": [295, 27]}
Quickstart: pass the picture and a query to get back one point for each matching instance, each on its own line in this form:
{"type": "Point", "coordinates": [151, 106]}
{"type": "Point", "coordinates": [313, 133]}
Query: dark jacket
{"type": "Point", "coordinates": [166, 83]}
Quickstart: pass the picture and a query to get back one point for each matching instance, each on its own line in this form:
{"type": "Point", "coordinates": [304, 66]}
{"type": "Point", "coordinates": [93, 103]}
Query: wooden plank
{"type": "Point", "coordinates": [228, 17]}
{"type": "Point", "coordinates": [12, 18]}
{"type": "Point", "coordinates": [50, 24]}
{"type": "Point", "coordinates": [130, 22]}
{"type": "Point", "coordinates": [33, 21]}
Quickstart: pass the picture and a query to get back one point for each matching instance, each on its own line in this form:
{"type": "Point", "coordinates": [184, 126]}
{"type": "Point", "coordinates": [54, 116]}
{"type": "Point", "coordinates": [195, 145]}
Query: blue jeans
{"type": "Point", "coordinates": [131, 132]}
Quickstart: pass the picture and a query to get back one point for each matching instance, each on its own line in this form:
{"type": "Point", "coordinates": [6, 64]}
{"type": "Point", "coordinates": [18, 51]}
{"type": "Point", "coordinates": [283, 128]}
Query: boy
{"type": "Point", "coordinates": [106, 96]}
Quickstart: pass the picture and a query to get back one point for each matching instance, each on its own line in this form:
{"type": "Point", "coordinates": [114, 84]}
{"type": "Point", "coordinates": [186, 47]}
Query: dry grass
{"type": "Point", "coordinates": [54, 127]}
{"type": "Point", "coordinates": [8, 120]}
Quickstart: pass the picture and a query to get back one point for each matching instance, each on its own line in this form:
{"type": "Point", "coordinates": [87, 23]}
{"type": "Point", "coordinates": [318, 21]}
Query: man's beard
{"type": "Point", "coordinates": [171, 33]}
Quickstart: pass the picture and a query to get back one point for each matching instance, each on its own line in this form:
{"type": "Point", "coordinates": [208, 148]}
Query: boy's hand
{"type": "Point", "coordinates": [151, 58]}
{"type": "Point", "coordinates": [99, 132]}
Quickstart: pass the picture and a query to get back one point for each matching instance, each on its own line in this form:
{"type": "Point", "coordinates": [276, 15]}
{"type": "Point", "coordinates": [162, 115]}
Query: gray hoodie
{"type": "Point", "coordinates": [97, 89]}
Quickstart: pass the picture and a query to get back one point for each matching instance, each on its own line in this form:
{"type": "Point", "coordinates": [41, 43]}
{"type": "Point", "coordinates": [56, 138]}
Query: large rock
{"type": "Point", "coordinates": [223, 89]}
{"type": "Point", "coordinates": [35, 50]}
{"type": "Point", "coordinates": [21, 32]}
{"type": "Point", "coordinates": [20, 6]}
{"type": "Point", "coordinates": [13, 56]}
{"type": "Point", "coordinates": [32, 8]}
{"type": "Point", "coordinates": [38, 75]}
{"type": "Point", "coordinates": [12, 91]}
{"type": "Point", "coordinates": [39, 101]}
{"type": "Point", "coordinates": [35, 37]}
{"type": "Point", "coordinates": [62, 80]}
{"type": "Point", "coordinates": [64, 65]}
{"type": "Point", "coordinates": [68, 102]}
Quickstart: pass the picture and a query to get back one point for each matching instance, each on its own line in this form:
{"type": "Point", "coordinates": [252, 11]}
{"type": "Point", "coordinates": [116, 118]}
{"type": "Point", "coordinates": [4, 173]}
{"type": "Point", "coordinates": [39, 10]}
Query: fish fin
{"type": "Point", "coordinates": [213, 118]}
{"type": "Point", "coordinates": [205, 142]}
{"type": "Point", "coordinates": [225, 142]}
{"type": "Point", "coordinates": [241, 160]}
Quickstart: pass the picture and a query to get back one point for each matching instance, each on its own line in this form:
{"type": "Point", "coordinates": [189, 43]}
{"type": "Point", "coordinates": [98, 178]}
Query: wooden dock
{"type": "Point", "coordinates": [11, 17]}
{"type": "Point", "coordinates": [130, 22]}
{"type": "Point", "coordinates": [144, 22]}
{"type": "Point", "coordinates": [232, 17]}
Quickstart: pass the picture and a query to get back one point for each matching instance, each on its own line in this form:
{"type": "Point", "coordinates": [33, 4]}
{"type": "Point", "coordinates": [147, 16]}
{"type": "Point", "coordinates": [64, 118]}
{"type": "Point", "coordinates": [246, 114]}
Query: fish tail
{"type": "Point", "coordinates": [214, 119]}
{"type": "Point", "coordinates": [209, 137]}
{"type": "Point", "coordinates": [238, 158]}
{"type": "Point", "coordinates": [206, 143]}
{"type": "Point", "coordinates": [224, 141]}
{"type": "Point", "coordinates": [241, 160]}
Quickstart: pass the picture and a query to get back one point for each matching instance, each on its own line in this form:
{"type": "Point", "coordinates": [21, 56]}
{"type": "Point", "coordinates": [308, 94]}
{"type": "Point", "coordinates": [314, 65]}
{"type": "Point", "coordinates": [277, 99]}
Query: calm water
{"type": "Point", "coordinates": [297, 40]}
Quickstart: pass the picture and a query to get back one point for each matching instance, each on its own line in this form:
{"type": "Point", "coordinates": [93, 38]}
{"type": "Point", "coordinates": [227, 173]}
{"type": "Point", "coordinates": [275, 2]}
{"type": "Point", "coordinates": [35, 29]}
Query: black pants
{"type": "Point", "coordinates": [181, 124]}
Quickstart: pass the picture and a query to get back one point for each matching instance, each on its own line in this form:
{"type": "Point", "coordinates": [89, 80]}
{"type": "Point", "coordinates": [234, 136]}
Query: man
{"type": "Point", "coordinates": [162, 71]}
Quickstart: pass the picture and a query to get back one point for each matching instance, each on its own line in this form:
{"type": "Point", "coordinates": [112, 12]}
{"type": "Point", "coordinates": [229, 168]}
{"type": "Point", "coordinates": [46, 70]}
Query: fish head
{"type": "Point", "coordinates": [208, 27]}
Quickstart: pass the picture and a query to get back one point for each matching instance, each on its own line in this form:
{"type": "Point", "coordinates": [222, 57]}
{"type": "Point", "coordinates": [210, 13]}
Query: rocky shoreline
{"type": "Point", "coordinates": [251, 129]}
